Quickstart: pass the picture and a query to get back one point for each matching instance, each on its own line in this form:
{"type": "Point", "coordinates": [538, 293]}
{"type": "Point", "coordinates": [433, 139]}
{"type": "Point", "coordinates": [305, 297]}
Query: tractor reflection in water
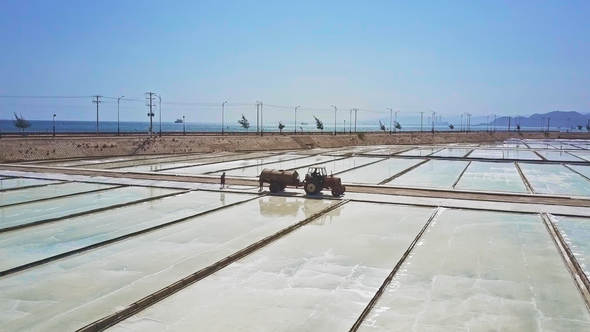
{"type": "Point", "coordinates": [315, 180]}
{"type": "Point", "coordinates": [279, 206]}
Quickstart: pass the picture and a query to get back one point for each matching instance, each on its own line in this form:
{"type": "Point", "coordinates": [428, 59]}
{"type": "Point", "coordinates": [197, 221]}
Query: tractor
{"type": "Point", "coordinates": [317, 179]}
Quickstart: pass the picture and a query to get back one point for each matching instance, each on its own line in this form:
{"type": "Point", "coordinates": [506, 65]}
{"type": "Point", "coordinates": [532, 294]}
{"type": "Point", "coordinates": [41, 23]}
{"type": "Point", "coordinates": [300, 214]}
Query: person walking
{"type": "Point", "coordinates": [222, 180]}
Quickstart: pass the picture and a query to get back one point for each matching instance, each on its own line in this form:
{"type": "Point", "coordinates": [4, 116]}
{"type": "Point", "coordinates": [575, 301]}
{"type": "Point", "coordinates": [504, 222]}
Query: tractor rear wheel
{"type": "Point", "coordinates": [337, 191]}
{"type": "Point", "coordinates": [312, 188]}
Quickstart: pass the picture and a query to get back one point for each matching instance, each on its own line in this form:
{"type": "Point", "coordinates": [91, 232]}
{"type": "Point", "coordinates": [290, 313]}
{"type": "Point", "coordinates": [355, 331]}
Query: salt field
{"type": "Point", "coordinates": [459, 278]}
{"type": "Point", "coordinates": [426, 237]}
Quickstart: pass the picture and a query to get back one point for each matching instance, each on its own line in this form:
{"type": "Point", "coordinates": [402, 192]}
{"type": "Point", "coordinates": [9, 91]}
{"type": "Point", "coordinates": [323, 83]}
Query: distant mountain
{"type": "Point", "coordinates": [557, 119]}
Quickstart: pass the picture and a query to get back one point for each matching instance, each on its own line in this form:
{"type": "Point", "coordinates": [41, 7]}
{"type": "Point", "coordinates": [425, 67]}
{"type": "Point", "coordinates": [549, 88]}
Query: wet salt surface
{"type": "Point", "coordinates": [375, 173]}
{"type": "Point", "coordinates": [555, 179]}
{"type": "Point", "coordinates": [246, 163]}
{"type": "Point", "coordinates": [67, 294]}
{"type": "Point", "coordinates": [576, 232]}
{"type": "Point", "coordinates": [482, 271]}
{"type": "Point", "coordinates": [491, 176]}
{"type": "Point", "coordinates": [585, 155]}
{"type": "Point", "coordinates": [420, 151]}
{"type": "Point", "coordinates": [504, 154]}
{"type": "Point", "coordinates": [12, 183]}
{"type": "Point", "coordinates": [435, 173]}
{"type": "Point", "coordinates": [31, 194]}
{"type": "Point", "coordinates": [318, 278]}
{"type": "Point", "coordinates": [59, 207]}
{"type": "Point", "coordinates": [210, 158]}
{"type": "Point", "coordinates": [336, 166]}
{"type": "Point", "coordinates": [27, 245]}
{"type": "Point", "coordinates": [559, 156]}
{"type": "Point", "coordinates": [452, 152]}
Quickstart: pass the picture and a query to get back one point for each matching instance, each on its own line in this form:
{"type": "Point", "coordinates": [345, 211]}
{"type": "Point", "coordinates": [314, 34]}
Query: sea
{"type": "Point", "coordinates": [43, 126]}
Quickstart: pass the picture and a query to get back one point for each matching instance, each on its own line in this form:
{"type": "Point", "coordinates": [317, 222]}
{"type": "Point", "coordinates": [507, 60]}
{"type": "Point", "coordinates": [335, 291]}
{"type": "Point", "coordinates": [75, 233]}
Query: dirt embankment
{"type": "Point", "coordinates": [39, 148]}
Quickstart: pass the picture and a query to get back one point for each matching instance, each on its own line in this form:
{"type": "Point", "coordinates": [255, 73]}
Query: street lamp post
{"type": "Point", "coordinates": [421, 120]}
{"type": "Point", "coordinates": [118, 127]}
{"type": "Point", "coordinates": [350, 122]}
{"type": "Point", "coordinates": [53, 124]}
{"type": "Point", "coordinates": [335, 109]}
{"type": "Point", "coordinates": [433, 120]}
{"type": "Point", "coordinates": [295, 124]}
{"type": "Point", "coordinates": [261, 121]}
{"type": "Point", "coordinates": [223, 117]}
{"type": "Point", "coordinates": [390, 118]}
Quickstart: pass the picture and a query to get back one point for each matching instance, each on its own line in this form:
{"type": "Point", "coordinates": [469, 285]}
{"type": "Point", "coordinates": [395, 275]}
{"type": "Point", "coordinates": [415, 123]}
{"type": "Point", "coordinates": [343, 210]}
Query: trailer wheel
{"type": "Point", "coordinates": [276, 187]}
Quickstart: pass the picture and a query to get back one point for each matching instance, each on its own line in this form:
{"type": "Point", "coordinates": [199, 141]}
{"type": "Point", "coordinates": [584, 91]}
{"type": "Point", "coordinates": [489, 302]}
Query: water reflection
{"type": "Point", "coordinates": [277, 206]}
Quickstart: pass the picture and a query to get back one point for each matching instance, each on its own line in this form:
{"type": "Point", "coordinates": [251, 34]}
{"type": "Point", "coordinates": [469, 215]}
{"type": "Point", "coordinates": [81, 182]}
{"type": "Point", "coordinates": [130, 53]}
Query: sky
{"type": "Point", "coordinates": [451, 57]}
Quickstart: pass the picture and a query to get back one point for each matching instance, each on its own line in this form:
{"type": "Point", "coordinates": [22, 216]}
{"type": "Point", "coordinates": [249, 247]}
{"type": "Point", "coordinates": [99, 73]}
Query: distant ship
{"type": "Point", "coordinates": [304, 123]}
{"type": "Point", "coordinates": [178, 121]}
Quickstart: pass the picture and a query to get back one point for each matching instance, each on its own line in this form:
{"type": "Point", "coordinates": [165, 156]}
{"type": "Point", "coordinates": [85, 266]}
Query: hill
{"type": "Point", "coordinates": [559, 119]}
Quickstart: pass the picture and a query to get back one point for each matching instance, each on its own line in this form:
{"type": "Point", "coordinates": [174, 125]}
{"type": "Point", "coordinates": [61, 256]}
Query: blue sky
{"type": "Point", "coordinates": [481, 57]}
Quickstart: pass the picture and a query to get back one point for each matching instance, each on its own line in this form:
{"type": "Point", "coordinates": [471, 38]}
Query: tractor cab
{"type": "Point", "coordinates": [317, 172]}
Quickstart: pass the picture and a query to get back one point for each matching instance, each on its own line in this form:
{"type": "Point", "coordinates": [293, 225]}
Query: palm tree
{"type": "Point", "coordinates": [319, 124]}
{"type": "Point", "coordinates": [281, 126]}
{"type": "Point", "coordinates": [21, 123]}
{"type": "Point", "coordinates": [244, 122]}
{"type": "Point", "coordinates": [451, 126]}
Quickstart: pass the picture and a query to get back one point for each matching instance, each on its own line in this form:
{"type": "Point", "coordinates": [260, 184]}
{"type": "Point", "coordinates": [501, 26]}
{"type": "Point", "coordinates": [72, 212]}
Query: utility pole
{"type": "Point", "coordinates": [421, 120]}
{"type": "Point", "coordinates": [355, 110]}
{"type": "Point", "coordinates": [97, 101]}
{"type": "Point", "coordinates": [223, 117]}
{"type": "Point", "coordinates": [295, 124]}
{"type": "Point", "coordinates": [150, 104]}
{"type": "Point", "coordinates": [335, 109]}
{"type": "Point", "coordinates": [494, 124]}
{"type": "Point", "coordinates": [118, 127]}
{"type": "Point", "coordinates": [183, 126]}
{"type": "Point", "coordinates": [390, 118]}
{"type": "Point", "coordinates": [160, 108]}
{"type": "Point", "coordinates": [53, 124]}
